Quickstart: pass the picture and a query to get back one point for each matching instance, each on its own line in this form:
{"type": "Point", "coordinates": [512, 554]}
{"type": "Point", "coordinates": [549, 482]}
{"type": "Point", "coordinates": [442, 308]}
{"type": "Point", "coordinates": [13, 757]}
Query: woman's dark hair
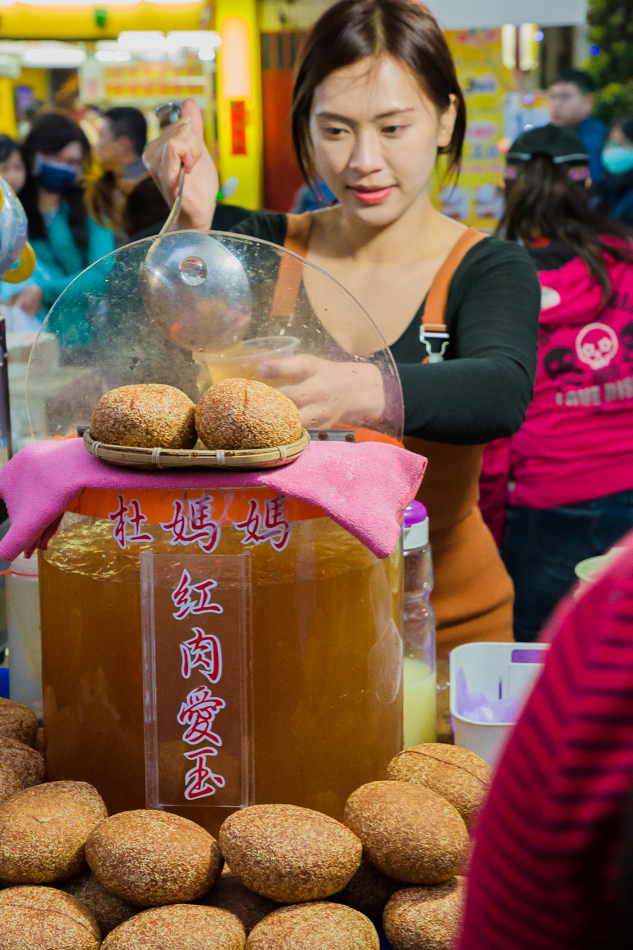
{"type": "Point", "coordinates": [544, 202]}
{"type": "Point", "coordinates": [353, 30]}
{"type": "Point", "coordinates": [144, 207]}
{"type": "Point", "coordinates": [50, 133]}
{"type": "Point", "coordinates": [7, 147]}
{"type": "Point", "coordinates": [103, 199]}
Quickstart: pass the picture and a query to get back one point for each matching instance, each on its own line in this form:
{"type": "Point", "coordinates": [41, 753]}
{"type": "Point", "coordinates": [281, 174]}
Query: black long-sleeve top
{"type": "Point", "coordinates": [482, 389]}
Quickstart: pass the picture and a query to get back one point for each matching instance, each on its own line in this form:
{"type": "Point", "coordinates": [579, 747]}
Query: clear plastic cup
{"type": "Point", "coordinates": [242, 359]}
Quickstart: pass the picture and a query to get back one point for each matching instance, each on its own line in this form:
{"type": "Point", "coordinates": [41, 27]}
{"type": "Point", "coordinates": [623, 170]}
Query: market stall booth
{"type": "Point", "coordinates": [85, 59]}
{"type": "Point", "coordinates": [211, 638]}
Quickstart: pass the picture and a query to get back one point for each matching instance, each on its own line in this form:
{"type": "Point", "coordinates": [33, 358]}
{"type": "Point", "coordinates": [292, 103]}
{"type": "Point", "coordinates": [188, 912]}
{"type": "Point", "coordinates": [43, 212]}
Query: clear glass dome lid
{"type": "Point", "coordinates": [191, 308]}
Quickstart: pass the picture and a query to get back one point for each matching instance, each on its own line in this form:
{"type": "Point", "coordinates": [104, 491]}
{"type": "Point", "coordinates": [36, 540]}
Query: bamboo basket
{"type": "Point", "coordinates": [136, 457]}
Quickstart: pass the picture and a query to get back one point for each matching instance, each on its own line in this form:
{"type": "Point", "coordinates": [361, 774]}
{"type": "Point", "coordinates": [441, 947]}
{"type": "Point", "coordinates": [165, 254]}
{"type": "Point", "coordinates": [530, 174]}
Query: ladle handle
{"type": "Point", "coordinates": [167, 114]}
{"type": "Point", "coordinates": [175, 208]}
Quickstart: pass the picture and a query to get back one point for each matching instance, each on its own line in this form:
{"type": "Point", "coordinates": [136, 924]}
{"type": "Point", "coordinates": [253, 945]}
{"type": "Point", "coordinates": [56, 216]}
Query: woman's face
{"type": "Point", "coordinates": [70, 154]}
{"type": "Point", "coordinates": [374, 136]}
{"type": "Point", "coordinates": [617, 137]}
{"type": "Point", "coordinates": [13, 171]}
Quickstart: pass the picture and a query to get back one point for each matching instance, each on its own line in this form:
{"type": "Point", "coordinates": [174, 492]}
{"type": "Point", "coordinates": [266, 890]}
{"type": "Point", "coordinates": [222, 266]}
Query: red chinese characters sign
{"type": "Point", "coordinates": [194, 522]}
{"type": "Point", "coordinates": [196, 655]}
{"type": "Point", "coordinates": [128, 516]}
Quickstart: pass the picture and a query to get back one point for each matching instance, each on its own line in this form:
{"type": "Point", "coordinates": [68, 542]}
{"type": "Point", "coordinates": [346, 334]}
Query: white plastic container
{"type": "Point", "coordinates": [23, 627]}
{"type": "Point", "coordinates": [500, 670]}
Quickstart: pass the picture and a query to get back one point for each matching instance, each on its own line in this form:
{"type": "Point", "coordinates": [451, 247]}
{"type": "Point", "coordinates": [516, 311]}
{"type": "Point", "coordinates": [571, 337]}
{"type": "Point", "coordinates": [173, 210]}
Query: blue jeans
{"type": "Point", "coordinates": [541, 547]}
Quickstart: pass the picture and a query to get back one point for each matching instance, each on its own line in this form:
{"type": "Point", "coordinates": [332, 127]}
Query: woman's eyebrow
{"type": "Point", "coordinates": [344, 118]}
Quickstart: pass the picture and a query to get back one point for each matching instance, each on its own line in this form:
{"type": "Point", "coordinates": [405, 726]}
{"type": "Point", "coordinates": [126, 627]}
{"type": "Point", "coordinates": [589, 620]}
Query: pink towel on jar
{"type": "Point", "coordinates": [364, 487]}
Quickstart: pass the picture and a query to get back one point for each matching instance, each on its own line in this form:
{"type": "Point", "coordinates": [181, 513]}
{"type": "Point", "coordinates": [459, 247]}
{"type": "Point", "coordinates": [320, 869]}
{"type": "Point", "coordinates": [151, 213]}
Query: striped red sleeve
{"type": "Point", "coordinates": [544, 869]}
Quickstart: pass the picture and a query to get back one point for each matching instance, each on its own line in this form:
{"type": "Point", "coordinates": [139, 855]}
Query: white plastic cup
{"type": "Point", "coordinates": [489, 667]}
{"type": "Point", "coordinates": [24, 637]}
{"type": "Point", "coordinates": [592, 569]}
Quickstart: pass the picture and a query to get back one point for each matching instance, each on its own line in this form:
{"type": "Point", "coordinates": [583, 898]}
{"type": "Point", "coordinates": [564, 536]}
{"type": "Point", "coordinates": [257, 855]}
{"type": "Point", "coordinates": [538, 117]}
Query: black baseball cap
{"type": "Point", "coordinates": [563, 146]}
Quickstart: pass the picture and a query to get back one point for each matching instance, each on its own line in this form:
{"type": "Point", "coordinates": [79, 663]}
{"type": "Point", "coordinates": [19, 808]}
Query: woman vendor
{"type": "Point", "coordinates": [375, 102]}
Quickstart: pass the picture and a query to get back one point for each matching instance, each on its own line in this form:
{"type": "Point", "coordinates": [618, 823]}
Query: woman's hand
{"type": "Point", "coordinates": [326, 392]}
{"type": "Point", "coordinates": [29, 300]}
{"type": "Point", "coordinates": [182, 143]}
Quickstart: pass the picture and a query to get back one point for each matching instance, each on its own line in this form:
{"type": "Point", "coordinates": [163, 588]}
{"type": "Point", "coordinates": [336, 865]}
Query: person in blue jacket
{"type": "Point", "coordinates": [64, 237]}
{"type": "Point", "coordinates": [571, 97]}
{"type": "Point", "coordinates": [615, 191]}
{"type": "Point", "coordinates": [21, 302]}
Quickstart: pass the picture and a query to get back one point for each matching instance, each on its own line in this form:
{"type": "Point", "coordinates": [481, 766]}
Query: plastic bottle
{"type": "Point", "coordinates": [23, 623]}
{"type": "Point", "coordinates": [420, 705]}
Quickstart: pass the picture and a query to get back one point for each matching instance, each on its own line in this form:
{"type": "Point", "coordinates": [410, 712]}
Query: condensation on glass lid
{"type": "Point", "coordinates": [190, 308]}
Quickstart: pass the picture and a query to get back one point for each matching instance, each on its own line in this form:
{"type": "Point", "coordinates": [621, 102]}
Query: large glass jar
{"type": "Point", "coordinates": [320, 681]}
{"type": "Point", "coordinates": [326, 660]}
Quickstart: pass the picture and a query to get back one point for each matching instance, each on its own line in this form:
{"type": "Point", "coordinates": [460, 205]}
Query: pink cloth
{"type": "Point", "coordinates": [576, 443]}
{"type": "Point", "coordinates": [363, 487]}
{"type": "Point", "coordinates": [546, 872]}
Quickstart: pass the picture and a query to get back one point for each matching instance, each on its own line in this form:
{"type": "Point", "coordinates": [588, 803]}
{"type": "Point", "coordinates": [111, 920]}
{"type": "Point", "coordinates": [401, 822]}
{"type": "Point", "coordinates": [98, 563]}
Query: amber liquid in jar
{"type": "Point", "coordinates": [327, 665]}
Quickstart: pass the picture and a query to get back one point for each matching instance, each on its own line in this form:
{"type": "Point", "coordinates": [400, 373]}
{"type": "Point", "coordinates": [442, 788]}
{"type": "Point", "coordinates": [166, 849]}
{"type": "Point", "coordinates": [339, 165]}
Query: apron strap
{"type": "Point", "coordinates": [290, 269]}
{"type": "Point", "coordinates": [433, 329]}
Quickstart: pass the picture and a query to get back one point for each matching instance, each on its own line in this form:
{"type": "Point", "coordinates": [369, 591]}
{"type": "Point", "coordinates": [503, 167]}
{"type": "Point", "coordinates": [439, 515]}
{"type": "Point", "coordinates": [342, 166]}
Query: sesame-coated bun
{"type": "Point", "coordinates": [425, 918]}
{"type": "Point", "coordinates": [43, 918]}
{"type": "Point", "coordinates": [178, 927]}
{"type": "Point", "coordinates": [289, 854]}
{"type": "Point", "coordinates": [409, 832]}
{"type": "Point", "coordinates": [148, 415]}
{"type": "Point", "coordinates": [43, 830]}
{"type": "Point", "coordinates": [10, 781]}
{"type": "Point", "coordinates": [27, 762]}
{"type": "Point", "coordinates": [107, 909]}
{"type": "Point", "coordinates": [150, 857]}
{"type": "Point", "coordinates": [368, 891]}
{"type": "Point", "coordinates": [18, 722]}
{"type": "Point", "coordinates": [317, 926]}
{"type": "Point", "coordinates": [457, 774]}
{"type": "Point", "coordinates": [230, 894]}
{"type": "Point", "coordinates": [246, 414]}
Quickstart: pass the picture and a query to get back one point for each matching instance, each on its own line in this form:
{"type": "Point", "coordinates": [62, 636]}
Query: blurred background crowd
{"type": "Point", "coordinates": [75, 115]}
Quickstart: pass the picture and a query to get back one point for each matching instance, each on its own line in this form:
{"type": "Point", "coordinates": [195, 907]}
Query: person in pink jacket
{"type": "Point", "coordinates": [553, 858]}
{"type": "Point", "coordinates": [561, 489]}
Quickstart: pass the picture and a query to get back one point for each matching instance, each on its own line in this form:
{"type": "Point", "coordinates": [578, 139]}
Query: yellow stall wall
{"type": "Point", "coordinates": [239, 107]}
{"type": "Point", "coordinates": [64, 22]}
{"type": "Point", "coordinates": [477, 199]}
{"type": "Point", "coordinates": [20, 21]}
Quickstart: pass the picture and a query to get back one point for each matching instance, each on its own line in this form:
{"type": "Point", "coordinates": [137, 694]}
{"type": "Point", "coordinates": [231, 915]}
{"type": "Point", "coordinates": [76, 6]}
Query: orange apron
{"type": "Point", "coordinates": [473, 593]}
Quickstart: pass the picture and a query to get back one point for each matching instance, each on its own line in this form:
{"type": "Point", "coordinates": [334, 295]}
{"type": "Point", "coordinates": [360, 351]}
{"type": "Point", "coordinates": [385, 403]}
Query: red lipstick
{"type": "Point", "coordinates": [374, 196]}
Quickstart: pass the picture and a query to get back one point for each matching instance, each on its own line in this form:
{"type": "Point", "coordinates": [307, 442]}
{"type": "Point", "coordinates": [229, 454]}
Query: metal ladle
{"type": "Point", "coordinates": [195, 287]}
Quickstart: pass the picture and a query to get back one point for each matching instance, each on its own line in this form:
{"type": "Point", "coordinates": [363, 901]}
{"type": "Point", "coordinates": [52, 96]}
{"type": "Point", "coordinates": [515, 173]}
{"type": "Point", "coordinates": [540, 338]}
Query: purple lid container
{"type": "Point", "coordinates": [414, 514]}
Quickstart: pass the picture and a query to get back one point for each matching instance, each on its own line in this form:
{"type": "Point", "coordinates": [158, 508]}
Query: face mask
{"type": "Point", "coordinates": [54, 176]}
{"type": "Point", "coordinates": [617, 159]}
